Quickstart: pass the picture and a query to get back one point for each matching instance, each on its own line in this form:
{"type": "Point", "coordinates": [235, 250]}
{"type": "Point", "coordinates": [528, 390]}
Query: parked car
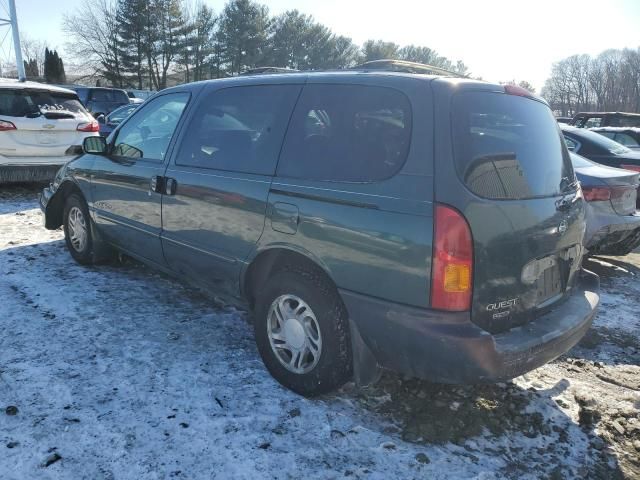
{"type": "Point", "coordinates": [600, 149]}
{"type": "Point", "coordinates": [613, 225]}
{"type": "Point", "coordinates": [605, 119]}
{"type": "Point", "coordinates": [432, 225]}
{"type": "Point", "coordinates": [139, 96]}
{"type": "Point", "coordinates": [627, 136]}
{"type": "Point", "coordinates": [115, 118]}
{"type": "Point", "coordinates": [563, 119]}
{"type": "Point", "coordinates": [100, 100]}
{"type": "Point", "coordinates": [41, 128]}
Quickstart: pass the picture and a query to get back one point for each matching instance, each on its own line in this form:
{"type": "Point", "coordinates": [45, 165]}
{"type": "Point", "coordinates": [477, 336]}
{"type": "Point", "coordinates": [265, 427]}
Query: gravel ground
{"type": "Point", "coordinates": [117, 372]}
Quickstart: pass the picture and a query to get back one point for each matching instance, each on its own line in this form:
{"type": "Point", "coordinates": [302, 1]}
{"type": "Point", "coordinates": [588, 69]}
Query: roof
{"type": "Point", "coordinates": [17, 85]}
{"type": "Point", "coordinates": [626, 114]}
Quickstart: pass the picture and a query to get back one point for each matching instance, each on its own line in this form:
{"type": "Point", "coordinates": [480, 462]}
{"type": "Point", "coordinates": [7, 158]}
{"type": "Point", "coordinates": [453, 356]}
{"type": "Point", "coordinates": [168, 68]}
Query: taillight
{"type": "Point", "coordinates": [452, 269]}
{"type": "Point", "coordinates": [4, 126]}
{"type": "Point", "coordinates": [635, 168]}
{"type": "Point", "coordinates": [596, 194]}
{"type": "Point", "coordinates": [93, 126]}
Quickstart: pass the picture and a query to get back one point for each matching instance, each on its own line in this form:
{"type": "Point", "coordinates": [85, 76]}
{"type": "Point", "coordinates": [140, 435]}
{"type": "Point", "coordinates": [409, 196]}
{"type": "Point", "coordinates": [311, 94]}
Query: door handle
{"type": "Point", "coordinates": [155, 185]}
{"type": "Point", "coordinates": [170, 186]}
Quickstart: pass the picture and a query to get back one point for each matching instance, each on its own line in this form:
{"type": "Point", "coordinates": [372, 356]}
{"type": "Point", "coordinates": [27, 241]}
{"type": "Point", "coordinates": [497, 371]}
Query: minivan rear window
{"type": "Point", "coordinates": [21, 102]}
{"type": "Point", "coordinates": [508, 147]}
{"type": "Point", "coordinates": [111, 96]}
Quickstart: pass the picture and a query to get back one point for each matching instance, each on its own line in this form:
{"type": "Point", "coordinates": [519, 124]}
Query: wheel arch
{"type": "Point", "coordinates": [268, 260]}
{"type": "Point", "coordinates": [55, 206]}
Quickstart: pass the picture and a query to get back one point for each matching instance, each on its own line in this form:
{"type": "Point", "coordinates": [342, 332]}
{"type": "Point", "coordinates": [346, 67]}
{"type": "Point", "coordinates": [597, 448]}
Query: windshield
{"type": "Point", "coordinates": [602, 142]}
{"type": "Point", "coordinates": [22, 103]}
{"type": "Point", "coordinates": [509, 147]}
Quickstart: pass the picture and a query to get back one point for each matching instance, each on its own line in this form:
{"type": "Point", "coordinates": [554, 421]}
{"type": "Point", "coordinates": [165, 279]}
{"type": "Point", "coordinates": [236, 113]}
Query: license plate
{"type": "Point", "coordinates": [549, 283]}
{"type": "Point", "coordinates": [46, 138]}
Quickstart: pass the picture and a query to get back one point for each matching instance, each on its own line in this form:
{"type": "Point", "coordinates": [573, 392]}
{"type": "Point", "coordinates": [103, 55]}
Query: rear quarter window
{"type": "Point", "coordinates": [508, 147]}
{"type": "Point", "coordinates": [347, 133]}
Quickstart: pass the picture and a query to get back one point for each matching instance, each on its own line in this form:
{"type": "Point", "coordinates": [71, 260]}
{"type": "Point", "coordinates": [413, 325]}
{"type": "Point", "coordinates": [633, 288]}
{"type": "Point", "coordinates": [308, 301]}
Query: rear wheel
{"type": "Point", "coordinates": [77, 229]}
{"type": "Point", "coordinates": [301, 329]}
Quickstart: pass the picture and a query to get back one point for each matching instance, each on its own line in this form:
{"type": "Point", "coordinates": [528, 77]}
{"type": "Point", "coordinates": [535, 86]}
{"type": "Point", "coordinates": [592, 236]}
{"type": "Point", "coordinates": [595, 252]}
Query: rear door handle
{"type": "Point", "coordinates": [155, 185]}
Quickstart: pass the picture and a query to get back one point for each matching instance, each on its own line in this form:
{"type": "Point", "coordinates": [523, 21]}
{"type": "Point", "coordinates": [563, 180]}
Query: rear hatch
{"type": "Point", "coordinates": [46, 122]}
{"type": "Point", "coordinates": [507, 170]}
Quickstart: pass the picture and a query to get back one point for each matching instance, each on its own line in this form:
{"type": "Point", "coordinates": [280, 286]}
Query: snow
{"type": "Point", "coordinates": [127, 374]}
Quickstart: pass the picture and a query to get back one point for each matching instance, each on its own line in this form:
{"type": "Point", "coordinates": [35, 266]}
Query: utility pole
{"type": "Point", "coordinates": [12, 22]}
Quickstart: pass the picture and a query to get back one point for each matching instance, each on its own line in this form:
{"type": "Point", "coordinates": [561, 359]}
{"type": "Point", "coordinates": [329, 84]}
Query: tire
{"type": "Point", "coordinates": [326, 323]}
{"type": "Point", "coordinates": [76, 217]}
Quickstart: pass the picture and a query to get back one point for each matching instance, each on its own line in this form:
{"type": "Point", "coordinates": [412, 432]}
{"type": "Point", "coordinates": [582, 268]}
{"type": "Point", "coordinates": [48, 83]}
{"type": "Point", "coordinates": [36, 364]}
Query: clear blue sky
{"type": "Point", "coordinates": [497, 39]}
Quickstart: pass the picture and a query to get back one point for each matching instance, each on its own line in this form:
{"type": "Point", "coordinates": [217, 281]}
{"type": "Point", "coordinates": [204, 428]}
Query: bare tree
{"type": "Point", "coordinates": [94, 39]}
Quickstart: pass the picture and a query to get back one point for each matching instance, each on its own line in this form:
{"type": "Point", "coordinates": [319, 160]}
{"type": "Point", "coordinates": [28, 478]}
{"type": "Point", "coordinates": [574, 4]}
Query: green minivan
{"type": "Point", "coordinates": [427, 224]}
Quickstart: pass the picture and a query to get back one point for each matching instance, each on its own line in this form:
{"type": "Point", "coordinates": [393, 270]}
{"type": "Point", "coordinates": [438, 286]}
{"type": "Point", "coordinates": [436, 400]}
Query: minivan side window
{"type": "Point", "coordinates": [239, 129]}
{"type": "Point", "coordinates": [347, 133]}
{"type": "Point", "coordinates": [149, 130]}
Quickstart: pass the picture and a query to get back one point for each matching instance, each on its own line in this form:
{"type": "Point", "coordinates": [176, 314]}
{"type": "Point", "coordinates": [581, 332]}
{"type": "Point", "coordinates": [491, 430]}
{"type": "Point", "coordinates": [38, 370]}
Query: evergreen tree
{"type": "Point", "coordinates": [243, 34]}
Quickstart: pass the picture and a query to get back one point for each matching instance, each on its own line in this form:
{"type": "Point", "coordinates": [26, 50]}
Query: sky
{"type": "Point", "coordinates": [499, 40]}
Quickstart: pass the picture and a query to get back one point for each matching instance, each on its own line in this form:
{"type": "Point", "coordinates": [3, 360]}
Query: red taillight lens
{"type": "Point", "coordinates": [452, 271]}
{"type": "Point", "coordinates": [635, 168]}
{"type": "Point", "coordinates": [4, 126]}
{"type": "Point", "coordinates": [93, 126]}
{"type": "Point", "coordinates": [596, 194]}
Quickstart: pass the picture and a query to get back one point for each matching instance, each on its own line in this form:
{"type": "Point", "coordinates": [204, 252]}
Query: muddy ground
{"type": "Point", "coordinates": [94, 386]}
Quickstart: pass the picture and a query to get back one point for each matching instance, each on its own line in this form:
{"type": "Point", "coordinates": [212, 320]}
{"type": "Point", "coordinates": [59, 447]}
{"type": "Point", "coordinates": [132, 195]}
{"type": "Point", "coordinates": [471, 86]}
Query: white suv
{"type": "Point", "coordinates": [41, 128]}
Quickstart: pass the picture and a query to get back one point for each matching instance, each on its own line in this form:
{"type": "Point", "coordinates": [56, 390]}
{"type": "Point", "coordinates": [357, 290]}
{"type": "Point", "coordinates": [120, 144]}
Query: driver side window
{"type": "Point", "coordinates": [148, 132]}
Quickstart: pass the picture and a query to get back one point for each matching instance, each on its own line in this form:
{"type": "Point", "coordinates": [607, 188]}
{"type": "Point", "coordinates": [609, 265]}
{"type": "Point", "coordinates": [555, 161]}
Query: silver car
{"type": "Point", "coordinates": [42, 127]}
{"type": "Point", "coordinates": [613, 224]}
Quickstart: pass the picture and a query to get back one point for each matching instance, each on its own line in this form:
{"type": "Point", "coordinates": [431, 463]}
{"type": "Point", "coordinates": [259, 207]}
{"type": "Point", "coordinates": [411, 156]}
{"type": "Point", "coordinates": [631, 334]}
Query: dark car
{"type": "Point", "coordinates": [115, 118]}
{"type": "Point", "coordinates": [563, 119]}
{"type": "Point", "coordinates": [428, 224]}
{"type": "Point", "coordinates": [605, 119]}
{"type": "Point", "coordinates": [613, 225]}
{"type": "Point", "coordinates": [600, 149]}
{"type": "Point", "coordinates": [101, 101]}
{"type": "Point", "coordinates": [627, 136]}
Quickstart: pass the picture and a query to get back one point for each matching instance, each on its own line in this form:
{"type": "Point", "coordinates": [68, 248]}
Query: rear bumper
{"type": "Point", "coordinates": [31, 169]}
{"type": "Point", "coordinates": [610, 233]}
{"type": "Point", "coordinates": [447, 347]}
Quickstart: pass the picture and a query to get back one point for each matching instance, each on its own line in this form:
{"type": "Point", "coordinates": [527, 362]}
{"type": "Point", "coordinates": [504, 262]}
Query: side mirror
{"type": "Point", "coordinates": [94, 145]}
{"type": "Point", "coordinates": [101, 119]}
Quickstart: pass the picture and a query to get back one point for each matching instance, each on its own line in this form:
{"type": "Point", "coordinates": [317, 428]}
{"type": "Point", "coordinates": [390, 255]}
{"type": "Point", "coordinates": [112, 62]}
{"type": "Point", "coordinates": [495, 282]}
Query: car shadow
{"type": "Point", "coordinates": [500, 418]}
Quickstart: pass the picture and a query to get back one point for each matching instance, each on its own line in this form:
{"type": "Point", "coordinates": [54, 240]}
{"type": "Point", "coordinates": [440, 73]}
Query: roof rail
{"type": "Point", "coordinates": [268, 70]}
{"type": "Point", "coordinates": [391, 65]}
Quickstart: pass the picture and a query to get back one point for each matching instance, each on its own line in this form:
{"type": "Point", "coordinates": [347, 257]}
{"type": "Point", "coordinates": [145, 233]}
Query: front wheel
{"type": "Point", "coordinates": [302, 332]}
{"type": "Point", "coordinates": [77, 230]}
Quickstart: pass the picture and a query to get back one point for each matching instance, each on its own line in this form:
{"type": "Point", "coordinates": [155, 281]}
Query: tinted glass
{"type": "Point", "coordinates": [347, 133]}
{"type": "Point", "coordinates": [625, 121]}
{"type": "Point", "coordinates": [626, 140]}
{"type": "Point", "coordinates": [598, 143]}
{"type": "Point", "coordinates": [593, 122]}
{"type": "Point", "coordinates": [239, 129]}
{"type": "Point", "coordinates": [111, 96]}
{"type": "Point", "coordinates": [571, 144]}
{"type": "Point", "coordinates": [508, 147]}
{"type": "Point", "coordinates": [149, 130]}
{"type": "Point", "coordinates": [20, 103]}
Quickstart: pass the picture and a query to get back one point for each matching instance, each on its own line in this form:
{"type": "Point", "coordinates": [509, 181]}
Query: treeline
{"type": "Point", "coordinates": [608, 82]}
{"type": "Point", "coordinates": [154, 43]}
